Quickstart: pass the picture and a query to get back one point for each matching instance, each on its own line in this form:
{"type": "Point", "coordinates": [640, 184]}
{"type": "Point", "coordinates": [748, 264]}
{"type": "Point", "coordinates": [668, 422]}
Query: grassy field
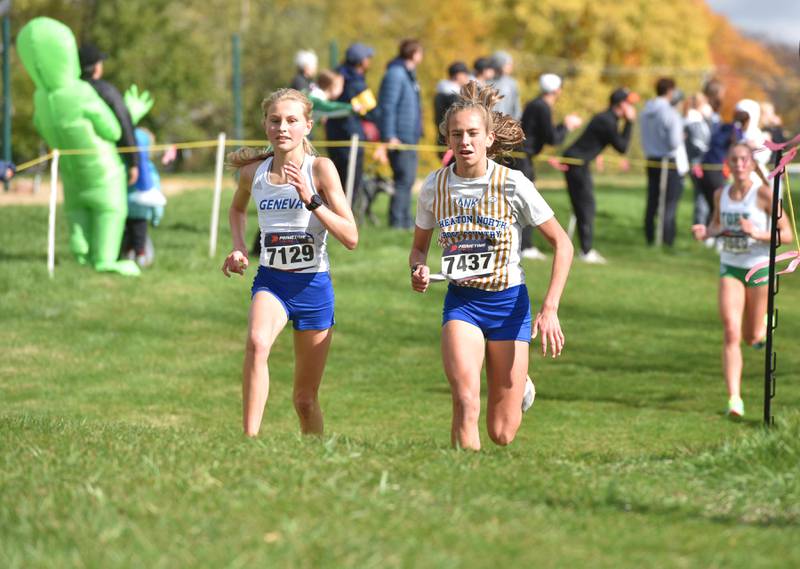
{"type": "Point", "coordinates": [120, 441]}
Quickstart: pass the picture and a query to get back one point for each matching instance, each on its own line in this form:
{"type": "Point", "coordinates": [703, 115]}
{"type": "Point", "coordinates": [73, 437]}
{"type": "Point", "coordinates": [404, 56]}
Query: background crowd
{"type": "Point", "coordinates": [681, 136]}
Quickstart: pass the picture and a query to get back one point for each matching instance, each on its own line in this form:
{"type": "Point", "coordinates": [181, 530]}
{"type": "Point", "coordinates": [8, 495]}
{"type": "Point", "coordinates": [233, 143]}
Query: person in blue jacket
{"type": "Point", "coordinates": [400, 122]}
{"type": "Point", "coordinates": [357, 60]}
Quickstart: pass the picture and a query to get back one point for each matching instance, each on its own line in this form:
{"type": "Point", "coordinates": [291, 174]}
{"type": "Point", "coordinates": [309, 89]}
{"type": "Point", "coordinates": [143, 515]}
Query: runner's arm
{"type": "Point", "coordinates": [546, 320]}
{"type": "Point", "coordinates": [237, 260]}
{"type": "Point", "coordinates": [335, 215]}
{"type": "Point", "coordinates": [417, 259]}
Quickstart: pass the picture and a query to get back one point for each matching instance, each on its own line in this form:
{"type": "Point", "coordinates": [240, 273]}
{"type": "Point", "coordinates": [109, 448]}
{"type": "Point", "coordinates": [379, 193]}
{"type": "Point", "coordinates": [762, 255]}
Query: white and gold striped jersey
{"type": "Point", "coordinates": [482, 217]}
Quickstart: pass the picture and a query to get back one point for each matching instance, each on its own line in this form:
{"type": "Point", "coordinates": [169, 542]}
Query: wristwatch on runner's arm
{"type": "Point", "coordinates": [315, 202]}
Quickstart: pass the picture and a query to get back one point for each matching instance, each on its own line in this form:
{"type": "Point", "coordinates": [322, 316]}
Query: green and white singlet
{"type": "Point", "coordinates": [479, 221]}
{"type": "Point", "coordinates": [738, 249]}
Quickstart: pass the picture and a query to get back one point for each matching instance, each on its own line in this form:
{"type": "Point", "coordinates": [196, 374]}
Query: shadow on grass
{"type": "Point", "coordinates": [652, 401]}
{"type": "Point", "coordinates": [181, 226]}
{"type": "Point", "coordinates": [614, 501]}
{"type": "Point", "coordinates": [21, 257]}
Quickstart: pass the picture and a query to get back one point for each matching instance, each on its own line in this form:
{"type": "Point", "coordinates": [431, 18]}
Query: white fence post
{"type": "Point", "coordinates": [51, 224]}
{"type": "Point", "coordinates": [212, 242]}
{"type": "Point", "coordinates": [351, 169]}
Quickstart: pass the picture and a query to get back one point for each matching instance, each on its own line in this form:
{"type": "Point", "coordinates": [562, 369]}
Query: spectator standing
{"type": "Point", "coordinates": [602, 130]}
{"type": "Point", "coordinates": [537, 124]}
{"type": "Point", "coordinates": [484, 70]}
{"type": "Point", "coordinates": [772, 125]}
{"type": "Point", "coordinates": [400, 122]}
{"type": "Point", "coordinates": [306, 63]}
{"type": "Point", "coordinates": [697, 129]}
{"type": "Point", "coordinates": [357, 60]}
{"type": "Point", "coordinates": [324, 94]}
{"type": "Point", "coordinates": [506, 85]}
{"type": "Point", "coordinates": [91, 60]}
{"type": "Point", "coordinates": [447, 91]}
{"type": "Point", "coordinates": [662, 137]}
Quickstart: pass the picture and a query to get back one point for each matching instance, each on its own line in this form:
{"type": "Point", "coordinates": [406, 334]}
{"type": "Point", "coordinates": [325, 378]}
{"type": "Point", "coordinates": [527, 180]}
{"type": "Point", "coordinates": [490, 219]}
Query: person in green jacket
{"type": "Point", "coordinates": [69, 114]}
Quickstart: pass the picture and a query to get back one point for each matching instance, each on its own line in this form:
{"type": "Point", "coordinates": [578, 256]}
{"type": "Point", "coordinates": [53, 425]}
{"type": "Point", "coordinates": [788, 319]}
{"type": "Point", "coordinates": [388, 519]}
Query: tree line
{"type": "Point", "coordinates": [181, 51]}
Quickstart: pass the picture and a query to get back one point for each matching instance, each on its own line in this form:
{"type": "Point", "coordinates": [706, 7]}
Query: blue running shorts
{"type": "Point", "coordinates": [306, 297]}
{"type": "Point", "coordinates": [502, 315]}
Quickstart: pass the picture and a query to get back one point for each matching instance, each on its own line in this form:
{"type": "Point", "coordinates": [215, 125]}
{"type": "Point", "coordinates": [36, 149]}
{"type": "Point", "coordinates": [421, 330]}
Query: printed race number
{"type": "Point", "coordinates": [288, 251]}
{"type": "Point", "coordinates": [735, 242]}
{"type": "Point", "coordinates": [468, 260]}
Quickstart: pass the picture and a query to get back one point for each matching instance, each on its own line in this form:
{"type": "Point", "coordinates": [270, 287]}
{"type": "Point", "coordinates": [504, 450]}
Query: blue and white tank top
{"type": "Point", "coordinates": [292, 238]}
{"type": "Point", "coordinates": [738, 249]}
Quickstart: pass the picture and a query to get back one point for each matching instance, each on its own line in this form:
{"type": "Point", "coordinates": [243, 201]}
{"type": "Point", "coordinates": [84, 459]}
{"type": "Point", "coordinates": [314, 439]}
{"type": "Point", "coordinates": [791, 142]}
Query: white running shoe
{"type": "Point", "coordinates": [149, 198]}
{"type": "Point", "coordinates": [533, 253]}
{"type": "Point", "coordinates": [593, 258]}
{"type": "Point", "coordinates": [735, 408]}
{"type": "Point", "coordinates": [530, 395]}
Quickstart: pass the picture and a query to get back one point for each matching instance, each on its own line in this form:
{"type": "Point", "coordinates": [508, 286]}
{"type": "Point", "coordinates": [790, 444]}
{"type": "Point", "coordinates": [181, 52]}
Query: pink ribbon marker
{"type": "Point", "coordinates": [788, 157]}
{"type": "Point", "coordinates": [795, 255]}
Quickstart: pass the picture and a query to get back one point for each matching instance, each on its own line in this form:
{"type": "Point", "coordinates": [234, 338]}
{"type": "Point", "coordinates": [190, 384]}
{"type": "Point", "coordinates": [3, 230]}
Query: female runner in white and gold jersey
{"type": "Point", "coordinates": [480, 207]}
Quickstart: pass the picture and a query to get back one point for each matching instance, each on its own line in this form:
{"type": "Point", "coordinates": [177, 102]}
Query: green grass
{"type": "Point", "coordinates": [120, 440]}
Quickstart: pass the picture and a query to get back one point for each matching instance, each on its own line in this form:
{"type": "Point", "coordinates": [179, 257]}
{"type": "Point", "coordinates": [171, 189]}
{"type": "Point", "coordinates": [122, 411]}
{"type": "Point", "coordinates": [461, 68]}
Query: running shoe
{"type": "Point", "coordinates": [534, 254]}
{"type": "Point", "coordinates": [735, 408]}
{"type": "Point", "coordinates": [592, 257]}
{"type": "Point", "coordinates": [530, 395]}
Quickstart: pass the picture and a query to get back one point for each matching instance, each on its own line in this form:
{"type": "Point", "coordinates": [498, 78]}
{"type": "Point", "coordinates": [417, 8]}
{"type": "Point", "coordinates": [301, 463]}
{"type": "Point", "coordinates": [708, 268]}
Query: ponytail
{"type": "Point", "coordinates": [508, 133]}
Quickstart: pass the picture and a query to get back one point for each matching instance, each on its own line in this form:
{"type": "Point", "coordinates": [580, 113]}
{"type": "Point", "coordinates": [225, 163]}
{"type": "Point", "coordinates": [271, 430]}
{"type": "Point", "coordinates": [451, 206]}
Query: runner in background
{"type": "Point", "coordinates": [741, 219]}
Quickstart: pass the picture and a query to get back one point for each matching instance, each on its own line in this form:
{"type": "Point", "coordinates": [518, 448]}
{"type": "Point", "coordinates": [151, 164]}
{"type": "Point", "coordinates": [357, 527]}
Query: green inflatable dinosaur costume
{"type": "Point", "coordinates": [69, 114]}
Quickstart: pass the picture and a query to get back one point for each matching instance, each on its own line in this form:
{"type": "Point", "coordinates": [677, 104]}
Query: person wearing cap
{"type": "Point", "coordinates": [484, 70]}
{"type": "Point", "coordinates": [400, 122]}
{"type": "Point", "coordinates": [537, 124]}
{"type": "Point", "coordinates": [7, 170]}
{"type": "Point", "coordinates": [91, 61]}
{"type": "Point", "coordinates": [602, 130]}
{"type": "Point", "coordinates": [357, 60]}
{"type": "Point", "coordinates": [506, 85]}
{"type": "Point", "coordinates": [306, 63]}
{"type": "Point", "coordinates": [447, 91]}
{"type": "Point", "coordinates": [662, 137]}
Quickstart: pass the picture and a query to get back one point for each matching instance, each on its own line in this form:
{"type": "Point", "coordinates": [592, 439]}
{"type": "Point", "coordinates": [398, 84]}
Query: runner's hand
{"type": "Point", "coordinates": [547, 322]}
{"type": "Point", "coordinates": [295, 177]}
{"type": "Point", "coordinates": [236, 262]}
{"type": "Point", "coordinates": [420, 279]}
{"type": "Point", "coordinates": [699, 231]}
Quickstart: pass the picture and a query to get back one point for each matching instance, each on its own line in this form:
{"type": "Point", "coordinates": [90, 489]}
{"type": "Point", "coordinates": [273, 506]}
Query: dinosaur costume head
{"type": "Point", "coordinates": [69, 114]}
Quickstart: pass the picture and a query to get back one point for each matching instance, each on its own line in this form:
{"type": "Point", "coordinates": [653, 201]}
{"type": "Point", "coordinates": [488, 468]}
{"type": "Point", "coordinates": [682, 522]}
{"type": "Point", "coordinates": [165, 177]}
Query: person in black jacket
{"type": "Point", "coordinates": [537, 124]}
{"type": "Point", "coordinates": [601, 131]}
{"type": "Point", "coordinates": [91, 60]}
{"type": "Point", "coordinates": [357, 60]}
{"type": "Point", "coordinates": [447, 91]}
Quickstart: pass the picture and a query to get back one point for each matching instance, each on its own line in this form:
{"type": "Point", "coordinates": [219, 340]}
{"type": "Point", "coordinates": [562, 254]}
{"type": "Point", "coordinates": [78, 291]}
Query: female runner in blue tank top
{"type": "Point", "coordinates": [480, 208]}
{"type": "Point", "coordinates": [300, 200]}
{"type": "Point", "coordinates": [741, 219]}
